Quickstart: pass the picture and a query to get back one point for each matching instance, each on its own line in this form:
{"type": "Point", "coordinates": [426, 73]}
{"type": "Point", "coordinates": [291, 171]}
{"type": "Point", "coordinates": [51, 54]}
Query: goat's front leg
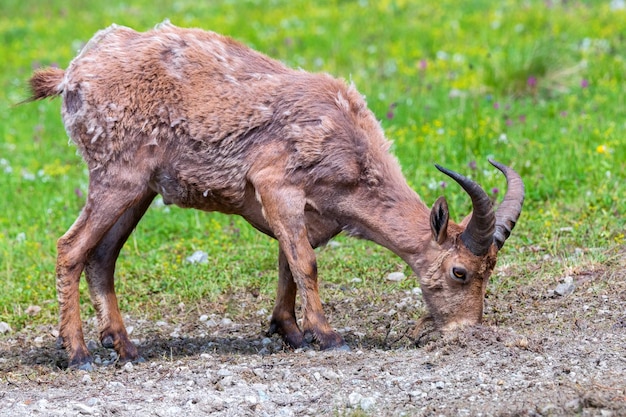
{"type": "Point", "coordinates": [99, 271]}
{"type": "Point", "coordinates": [284, 212]}
{"type": "Point", "coordinates": [104, 206]}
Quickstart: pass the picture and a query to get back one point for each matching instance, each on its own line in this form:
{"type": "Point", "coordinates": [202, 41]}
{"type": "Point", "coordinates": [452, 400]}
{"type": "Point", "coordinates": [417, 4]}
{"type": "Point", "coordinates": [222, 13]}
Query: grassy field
{"type": "Point", "coordinates": [536, 85]}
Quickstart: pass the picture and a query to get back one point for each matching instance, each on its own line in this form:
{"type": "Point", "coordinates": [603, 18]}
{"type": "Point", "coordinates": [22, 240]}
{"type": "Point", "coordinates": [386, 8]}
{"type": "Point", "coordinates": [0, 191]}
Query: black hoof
{"type": "Point", "coordinates": [294, 338]}
{"type": "Point", "coordinates": [107, 342]}
{"type": "Point", "coordinates": [342, 348]}
{"type": "Point", "coordinates": [86, 367]}
{"type": "Point", "coordinates": [81, 364]}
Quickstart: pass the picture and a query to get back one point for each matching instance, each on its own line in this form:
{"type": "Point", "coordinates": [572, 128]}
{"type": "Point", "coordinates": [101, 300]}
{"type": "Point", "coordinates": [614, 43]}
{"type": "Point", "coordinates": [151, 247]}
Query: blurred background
{"type": "Point", "coordinates": [537, 85]}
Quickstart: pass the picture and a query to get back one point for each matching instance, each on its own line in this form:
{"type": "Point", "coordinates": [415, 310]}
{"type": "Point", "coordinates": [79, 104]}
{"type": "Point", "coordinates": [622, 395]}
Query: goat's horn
{"type": "Point", "coordinates": [511, 207]}
{"type": "Point", "coordinates": [478, 235]}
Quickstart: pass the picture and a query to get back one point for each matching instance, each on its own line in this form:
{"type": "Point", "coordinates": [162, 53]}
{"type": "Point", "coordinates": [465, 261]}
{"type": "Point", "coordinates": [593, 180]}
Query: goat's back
{"type": "Point", "coordinates": [205, 107]}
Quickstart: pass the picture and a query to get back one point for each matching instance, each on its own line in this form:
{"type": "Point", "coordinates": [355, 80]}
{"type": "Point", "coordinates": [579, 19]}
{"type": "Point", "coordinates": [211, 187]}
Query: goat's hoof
{"type": "Point", "coordinates": [107, 342]}
{"type": "Point", "coordinates": [86, 367]}
{"type": "Point", "coordinates": [82, 364]}
{"type": "Point", "coordinates": [342, 348]}
{"type": "Point", "coordinates": [332, 341]}
{"type": "Point", "coordinates": [291, 335]}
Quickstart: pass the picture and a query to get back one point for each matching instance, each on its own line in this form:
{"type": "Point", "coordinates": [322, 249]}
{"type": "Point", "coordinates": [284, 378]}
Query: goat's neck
{"type": "Point", "coordinates": [394, 217]}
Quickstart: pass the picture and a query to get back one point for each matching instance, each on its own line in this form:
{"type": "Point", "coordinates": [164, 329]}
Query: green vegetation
{"type": "Point", "coordinates": [536, 85]}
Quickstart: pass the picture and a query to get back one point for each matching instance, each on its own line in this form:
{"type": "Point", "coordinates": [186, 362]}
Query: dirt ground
{"type": "Point", "coordinates": [537, 354]}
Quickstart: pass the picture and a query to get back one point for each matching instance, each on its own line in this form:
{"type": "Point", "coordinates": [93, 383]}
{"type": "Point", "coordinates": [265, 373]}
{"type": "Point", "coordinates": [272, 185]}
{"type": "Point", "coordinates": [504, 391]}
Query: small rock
{"type": "Point", "coordinates": [566, 287]}
{"type": "Point", "coordinates": [128, 366]}
{"type": "Point", "coordinates": [440, 385]}
{"type": "Point", "coordinates": [84, 409]}
{"type": "Point", "coordinates": [91, 402]}
{"type": "Point", "coordinates": [263, 397]}
{"type": "Point", "coordinates": [33, 310]}
{"type": "Point", "coordinates": [396, 276]}
{"type": "Point", "coordinates": [417, 395]}
{"type": "Point", "coordinates": [354, 399]}
{"type": "Point", "coordinates": [92, 345]}
{"type": "Point", "coordinates": [173, 411]}
{"type": "Point", "coordinates": [331, 375]}
{"type": "Point", "coordinates": [333, 244]}
{"type": "Point", "coordinates": [87, 379]}
{"type": "Point", "coordinates": [356, 280]}
{"type": "Point", "coordinates": [367, 403]}
{"type": "Point", "coordinates": [198, 257]}
{"type": "Point", "coordinates": [115, 385]}
{"type": "Point", "coordinates": [204, 317]}
{"type": "Point", "coordinates": [87, 367]}
{"type": "Point", "coordinates": [5, 328]}
{"type": "Point", "coordinates": [573, 404]}
{"type": "Point", "coordinates": [549, 409]}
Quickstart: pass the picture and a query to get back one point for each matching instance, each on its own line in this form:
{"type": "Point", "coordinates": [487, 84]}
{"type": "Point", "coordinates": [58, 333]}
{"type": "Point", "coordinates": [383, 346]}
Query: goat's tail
{"type": "Point", "coordinates": [46, 82]}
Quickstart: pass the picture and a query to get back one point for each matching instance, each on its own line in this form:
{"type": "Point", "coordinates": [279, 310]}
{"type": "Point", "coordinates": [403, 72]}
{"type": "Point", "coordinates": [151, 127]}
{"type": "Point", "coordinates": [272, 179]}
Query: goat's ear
{"type": "Point", "coordinates": [439, 217]}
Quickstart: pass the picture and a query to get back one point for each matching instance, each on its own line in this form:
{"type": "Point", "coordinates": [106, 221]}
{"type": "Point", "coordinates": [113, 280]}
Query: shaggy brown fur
{"type": "Point", "coordinates": [211, 124]}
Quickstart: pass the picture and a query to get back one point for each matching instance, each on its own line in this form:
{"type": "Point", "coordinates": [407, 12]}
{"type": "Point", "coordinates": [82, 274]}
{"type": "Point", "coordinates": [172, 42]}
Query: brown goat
{"type": "Point", "coordinates": [211, 124]}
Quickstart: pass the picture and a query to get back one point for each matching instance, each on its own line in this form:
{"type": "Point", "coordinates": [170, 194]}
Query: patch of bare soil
{"type": "Point", "coordinates": [538, 354]}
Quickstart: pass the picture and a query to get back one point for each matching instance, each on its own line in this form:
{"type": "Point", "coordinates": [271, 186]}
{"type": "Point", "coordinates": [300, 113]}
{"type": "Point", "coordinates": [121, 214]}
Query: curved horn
{"type": "Point", "coordinates": [511, 207]}
{"type": "Point", "coordinates": [478, 235]}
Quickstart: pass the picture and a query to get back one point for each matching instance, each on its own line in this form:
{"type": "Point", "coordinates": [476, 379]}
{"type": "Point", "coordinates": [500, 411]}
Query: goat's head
{"type": "Point", "coordinates": [461, 257]}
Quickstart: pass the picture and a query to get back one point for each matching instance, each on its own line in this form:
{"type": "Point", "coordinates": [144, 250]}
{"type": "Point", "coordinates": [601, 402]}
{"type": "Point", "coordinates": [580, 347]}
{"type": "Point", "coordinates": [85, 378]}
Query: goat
{"type": "Point", "coordinates": [211, 124]}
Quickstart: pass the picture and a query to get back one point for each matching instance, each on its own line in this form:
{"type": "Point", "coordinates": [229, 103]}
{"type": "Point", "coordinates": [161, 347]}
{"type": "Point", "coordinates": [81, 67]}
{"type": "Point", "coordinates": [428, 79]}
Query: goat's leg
{"type": "Point", "coordinates": [284, 314]}
{"type": "Point", "coordinates": [283, 322]}
{"type": "Point", "coordinates": [284, 212]}
{"type": "Point", "coordinates": [104, 206]}
{"type": "Point", "coordinates": [99, 271]}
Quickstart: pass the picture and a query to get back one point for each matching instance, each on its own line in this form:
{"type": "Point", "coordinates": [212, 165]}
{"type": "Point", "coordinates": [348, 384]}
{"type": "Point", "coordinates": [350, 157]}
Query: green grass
{"type": "Point", "coordinates": [539, 88]}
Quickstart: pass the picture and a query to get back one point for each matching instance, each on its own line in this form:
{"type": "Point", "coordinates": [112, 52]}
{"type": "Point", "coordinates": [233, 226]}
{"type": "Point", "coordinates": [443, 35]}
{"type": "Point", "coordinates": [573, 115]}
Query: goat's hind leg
{"type": "Point", "coordinates": [104, 206]}
{"type": "Point", "coordinates": [284, 315]}
{"type": "Point", "coordinates": [100, 270]}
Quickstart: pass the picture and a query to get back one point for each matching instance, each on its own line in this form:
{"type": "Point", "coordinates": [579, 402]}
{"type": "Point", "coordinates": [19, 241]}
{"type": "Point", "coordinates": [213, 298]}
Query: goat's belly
{"type": "Point", "coordinates": [224, 199]}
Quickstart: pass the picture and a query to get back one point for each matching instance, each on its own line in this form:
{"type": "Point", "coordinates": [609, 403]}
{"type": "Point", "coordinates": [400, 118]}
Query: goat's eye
{"type": "Point", "coordinates": [459, 274]}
